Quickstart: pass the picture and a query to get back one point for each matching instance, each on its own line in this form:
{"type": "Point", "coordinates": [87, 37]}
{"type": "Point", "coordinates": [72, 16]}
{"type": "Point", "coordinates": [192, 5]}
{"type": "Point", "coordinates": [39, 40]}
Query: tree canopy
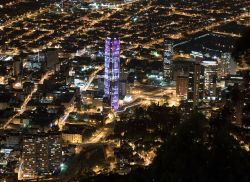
{"type": "Point", "coordinates": [241, 51]}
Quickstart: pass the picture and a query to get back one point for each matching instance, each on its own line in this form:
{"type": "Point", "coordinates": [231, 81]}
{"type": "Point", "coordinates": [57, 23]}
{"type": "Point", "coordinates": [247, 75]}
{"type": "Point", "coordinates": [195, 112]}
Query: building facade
{"type": "Point", "coordinates": [196, 83]}
{"type": "Point", "coordinates": [210, 74]}
{"type": "Point", "coordinates": [112, 72]}
{"type": "Point", "coordinates": [167, 61]}
{"type": "Point", "coordinates": [41, 154]}
{"type": "Point", "coordinates": [182, 85]}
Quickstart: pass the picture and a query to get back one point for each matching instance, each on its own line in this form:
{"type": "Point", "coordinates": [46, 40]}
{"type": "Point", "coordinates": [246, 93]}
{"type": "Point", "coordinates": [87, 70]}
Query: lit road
{"type": "Point", "coordinates": [86, 25]}
{"type": "Point", "coordinates": [148, 157]}
{"type": "Point", "coordinates": [22, 17]}
{"type": "Point", "coordinates": [85, 28]}
{"type": "Point", "coordinates": [145, 98]}
{"type": "Point", "coordinates": [91, 78]}
{"type": "Point", "coordinates": [28, 98]}
{"type": "Point", "coordinates": [71, 109]}
{"type": "Point", "coordinates": [97, 139]}
{"type": "Point", "coordinates": [100, 134]}
{"type": "Point", "coordinates": [64, 118]}
{"type": "Point", "coordinates": [129, 106]}
{"type": "Point", "coordinates": [245, 146]}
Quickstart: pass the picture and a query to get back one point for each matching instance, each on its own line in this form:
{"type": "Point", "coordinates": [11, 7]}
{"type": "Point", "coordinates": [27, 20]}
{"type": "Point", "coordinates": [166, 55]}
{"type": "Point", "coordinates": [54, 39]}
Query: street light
{"type": "Point", "coordinates": [63, 167]}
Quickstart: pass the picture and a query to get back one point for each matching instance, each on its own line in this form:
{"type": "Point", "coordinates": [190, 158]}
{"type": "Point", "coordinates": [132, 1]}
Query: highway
{"type": "Point", "coordinates": [145, 98]}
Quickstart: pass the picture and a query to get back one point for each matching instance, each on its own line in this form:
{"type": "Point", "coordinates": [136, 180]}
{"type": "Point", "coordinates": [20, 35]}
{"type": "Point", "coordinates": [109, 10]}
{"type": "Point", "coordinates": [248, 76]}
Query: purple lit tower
{"type": "Point", "coordinates": [112, 70]}
{"type": "Point", "coordinates": [107, 68]}
{"type": "Point", "coordinates": [115, 73]}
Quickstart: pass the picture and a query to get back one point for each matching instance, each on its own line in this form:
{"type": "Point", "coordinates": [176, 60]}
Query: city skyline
{"type": "Point", "coordinates": [124, 90]}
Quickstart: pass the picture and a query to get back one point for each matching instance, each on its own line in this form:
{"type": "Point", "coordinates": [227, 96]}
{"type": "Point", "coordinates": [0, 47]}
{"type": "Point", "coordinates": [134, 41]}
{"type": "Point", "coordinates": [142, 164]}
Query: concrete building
{"type": "Point", "coordinates": [196, 83]}
{"type": "Point", "coordinates": [182, 85]}
{"type": "Point", "coordinates": [167, 61]}
{"type": "Point", "coordinates": [211, 75]}
{"type": "Point", "coordinates": [182, 66]}
{"type": "Point", "coordinates": [72, 137]}
{"type": "Point", "coordinates": [41, 154]}
{"type": "Point", "coordinates": [51, 58]}
{"type": "Point", "coordinates": [228, 64]}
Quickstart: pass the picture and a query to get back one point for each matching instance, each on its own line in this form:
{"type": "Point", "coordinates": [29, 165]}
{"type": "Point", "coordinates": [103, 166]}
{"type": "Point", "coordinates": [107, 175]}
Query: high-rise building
{"type": "Point", "coordinates": [210, 76]}
{"type": "Point", "coordinates": [41, 155]}
{"type": "Point", "coordinates": [182, 66]}
{"type": "Point", "coordinates": [167, 62]}
{"type": "Point", "coordinates": [182, 85]}
{"type": "Point", "coordinates": [55, 150]}
{"type": "Point", "coordinates": [123, 84]}
{"type": "Point", "coordinates": [228, 64]}
{"type": "Point", "coordinates": [112, 71]}
{"type": "Point", "coordinates": [16, 67]}
{"type": "Point", "coordinates": [196, 83]}
{"type": "Point", "coordinates": [51, 58]}
{"type": "Point", "coordinates": [29, 169]}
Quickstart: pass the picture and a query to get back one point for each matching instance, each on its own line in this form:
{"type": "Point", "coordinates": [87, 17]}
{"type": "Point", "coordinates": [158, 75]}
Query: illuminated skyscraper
{"type": "Point", "coordinates": [107, 68]}
{"type": "Point", "coordinates": [210, 78]}
{"type": "Point", "coordinates": [112, 71]}
{"type": "Point", "coordinates": [196, 83]}
{"type": "Point", "coordinates": [167, 62]}
{"type": "Point", "coordinates": [228, 64]}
